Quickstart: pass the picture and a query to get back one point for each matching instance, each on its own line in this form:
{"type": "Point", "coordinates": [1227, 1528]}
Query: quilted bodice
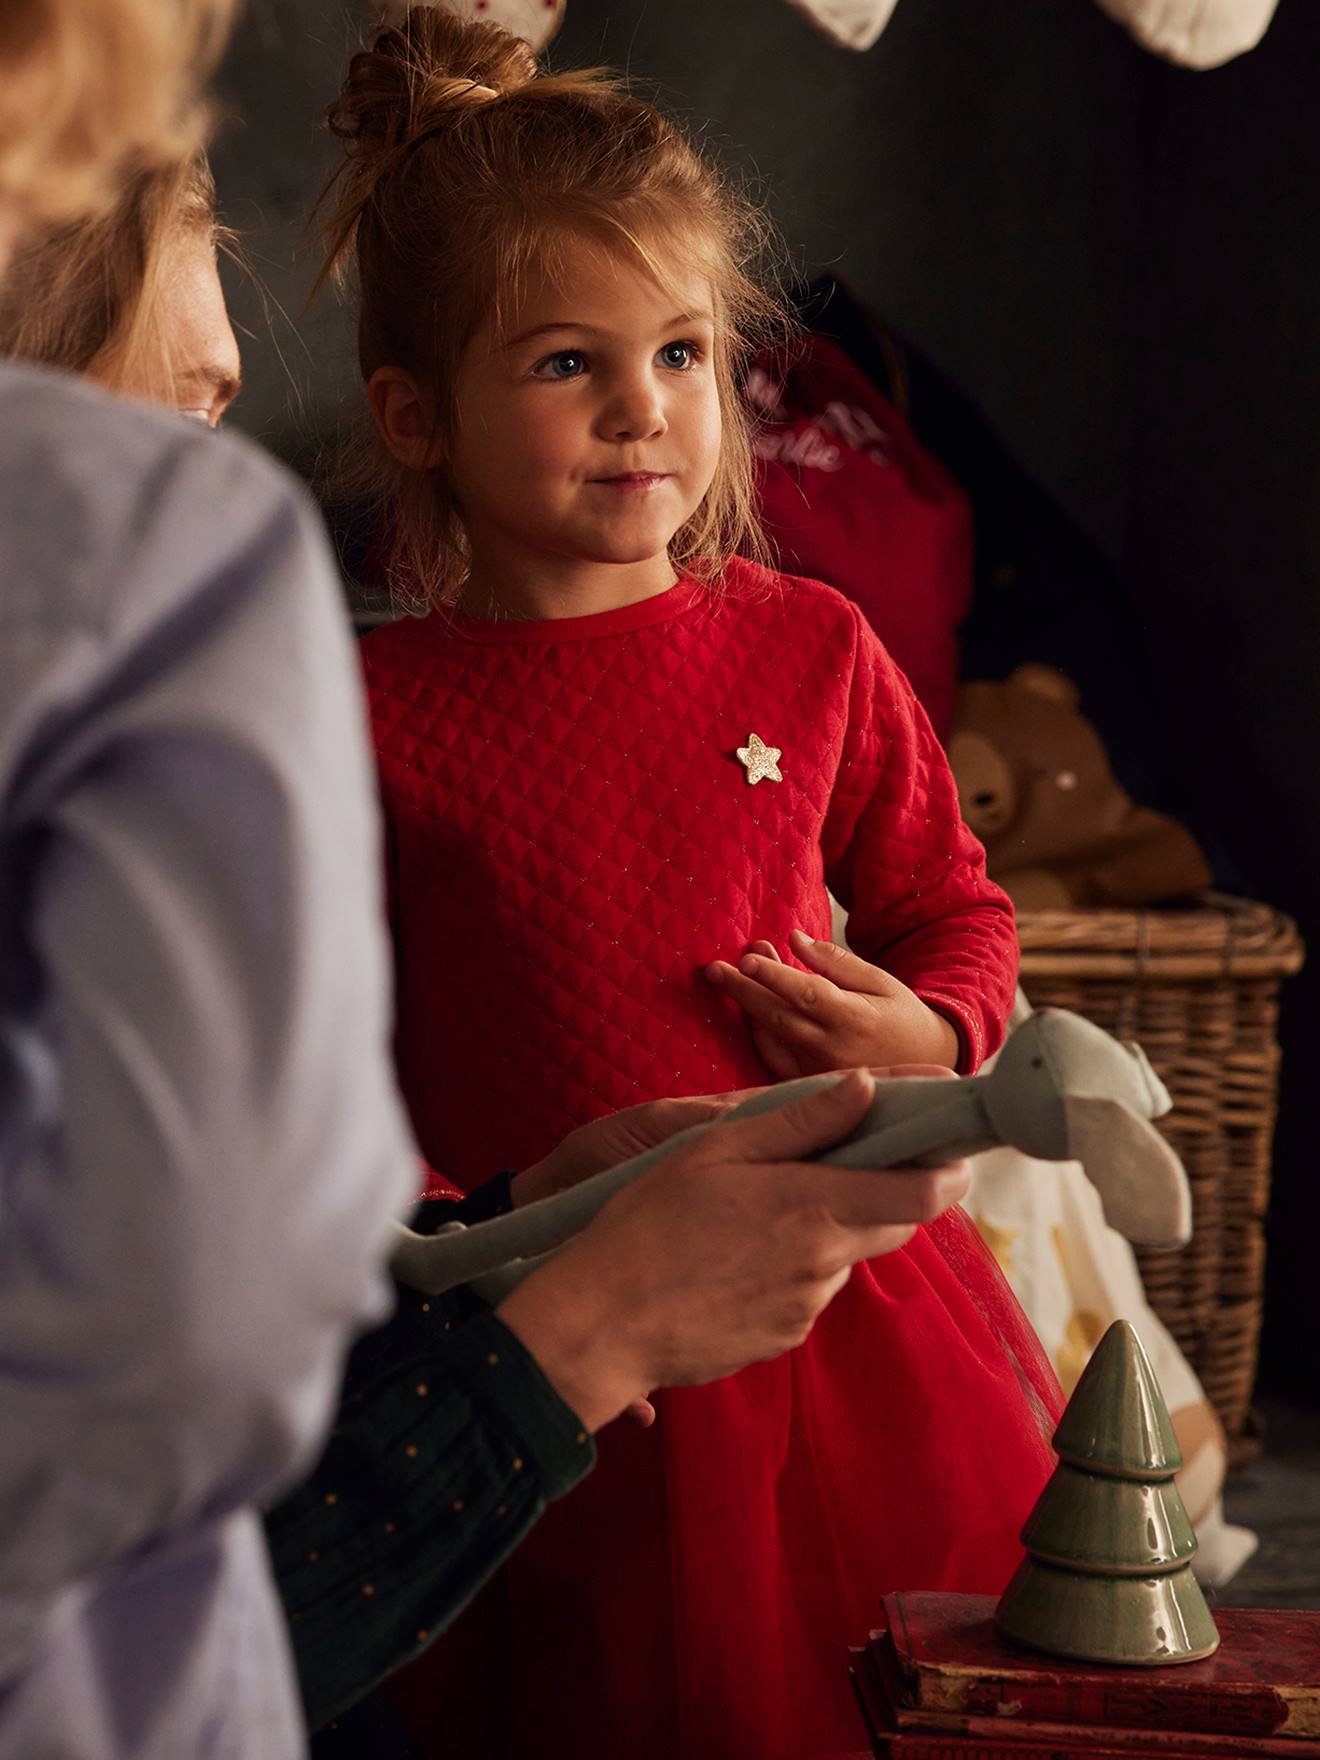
{"type": "Point", "coordinates": [574, 837]}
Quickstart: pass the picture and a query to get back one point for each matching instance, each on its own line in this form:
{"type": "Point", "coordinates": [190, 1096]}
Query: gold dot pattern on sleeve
{"type": "Point", "coordinates": [411, 1451]}
{"type": "Point", "coordinates": [422, 1390]}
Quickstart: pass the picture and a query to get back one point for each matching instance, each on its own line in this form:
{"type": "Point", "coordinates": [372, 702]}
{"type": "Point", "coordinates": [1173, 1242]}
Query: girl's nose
{"type": "Point", "coordinates": [633, 413]}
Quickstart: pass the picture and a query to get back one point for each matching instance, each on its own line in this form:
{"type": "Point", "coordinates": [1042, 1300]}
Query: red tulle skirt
{"type": "Point", "coordinates": [695, 1597]}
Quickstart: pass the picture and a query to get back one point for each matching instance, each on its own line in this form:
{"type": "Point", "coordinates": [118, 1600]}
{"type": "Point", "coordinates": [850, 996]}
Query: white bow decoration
{"type": "Point", "coordinates": [1194, 33]}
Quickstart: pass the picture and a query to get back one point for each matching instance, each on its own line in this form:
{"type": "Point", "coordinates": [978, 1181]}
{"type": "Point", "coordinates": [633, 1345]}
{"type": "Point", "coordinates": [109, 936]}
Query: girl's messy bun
{"type": "Point", "coordinates": [420, 81]}
{"type": "Point", "coordinates": [421, 75]}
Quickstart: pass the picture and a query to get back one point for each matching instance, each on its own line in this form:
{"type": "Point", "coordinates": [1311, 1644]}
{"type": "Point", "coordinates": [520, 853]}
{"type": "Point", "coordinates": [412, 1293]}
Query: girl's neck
{"type": "Point", "coordinates": [558, 587]}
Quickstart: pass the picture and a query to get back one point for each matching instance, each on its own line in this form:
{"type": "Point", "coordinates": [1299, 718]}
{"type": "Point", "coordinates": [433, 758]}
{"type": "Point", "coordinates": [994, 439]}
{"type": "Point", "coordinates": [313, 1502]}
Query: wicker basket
{"type": "Point", "coordinates": [1198, 987]}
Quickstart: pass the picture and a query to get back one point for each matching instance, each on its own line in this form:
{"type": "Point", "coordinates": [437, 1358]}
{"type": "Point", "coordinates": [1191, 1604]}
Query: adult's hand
{"type": "Point", "coordinates": [722, 1255]}
{"type": "Point", "coordinates": [606, 1142]}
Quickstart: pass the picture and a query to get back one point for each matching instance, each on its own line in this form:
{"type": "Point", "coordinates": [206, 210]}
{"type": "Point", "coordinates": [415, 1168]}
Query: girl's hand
{"type": "Point", "coordinates": [843, 1014]}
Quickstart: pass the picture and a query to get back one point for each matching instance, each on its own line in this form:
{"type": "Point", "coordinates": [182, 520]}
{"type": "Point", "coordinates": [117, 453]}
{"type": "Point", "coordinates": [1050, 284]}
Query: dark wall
{"type": "Point", "coordinates": [1116, 258]}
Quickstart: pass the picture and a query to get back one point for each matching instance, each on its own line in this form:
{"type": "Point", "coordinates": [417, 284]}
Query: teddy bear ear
{"type": "Point", "coordinates": [1048, 682]}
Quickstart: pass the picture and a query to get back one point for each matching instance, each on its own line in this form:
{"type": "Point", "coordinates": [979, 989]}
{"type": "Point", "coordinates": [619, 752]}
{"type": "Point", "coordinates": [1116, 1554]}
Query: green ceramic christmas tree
{"type": "Point", "coordinates": [1108, 1572]}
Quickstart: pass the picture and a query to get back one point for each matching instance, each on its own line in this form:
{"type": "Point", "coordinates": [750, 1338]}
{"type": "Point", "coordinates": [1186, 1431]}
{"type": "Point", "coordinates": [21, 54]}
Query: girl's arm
{"type": "Point", "coordinates": [910, 873]}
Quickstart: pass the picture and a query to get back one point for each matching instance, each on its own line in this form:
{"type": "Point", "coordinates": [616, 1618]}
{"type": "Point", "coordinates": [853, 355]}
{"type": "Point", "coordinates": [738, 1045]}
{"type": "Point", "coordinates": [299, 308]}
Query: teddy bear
{"type": "Point", "coordinates": [1036, 787]}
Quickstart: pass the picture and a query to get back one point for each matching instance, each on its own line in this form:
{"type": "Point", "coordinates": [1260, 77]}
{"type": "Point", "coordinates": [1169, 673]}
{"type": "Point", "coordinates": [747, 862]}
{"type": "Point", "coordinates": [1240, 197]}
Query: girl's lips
{"type": "Point", "coordinates": [637, 481]}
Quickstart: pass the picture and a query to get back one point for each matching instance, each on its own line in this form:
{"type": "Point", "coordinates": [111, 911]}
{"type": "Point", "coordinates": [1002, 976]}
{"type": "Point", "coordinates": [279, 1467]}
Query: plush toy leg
{"type": "Point", "coordinates": [854, 24]}
{"type": "Point", "coordinates": [1194, 33]}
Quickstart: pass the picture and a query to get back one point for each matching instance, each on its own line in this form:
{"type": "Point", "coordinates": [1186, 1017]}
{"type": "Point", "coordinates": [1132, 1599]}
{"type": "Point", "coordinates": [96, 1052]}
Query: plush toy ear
{"type": "Point", "coordinates": [1141, 1182]}
{"type": "Point", "coordinates": [1194, 33]}
{"type": "Point", "coordinates": [1047, 682]}
{"type": "Point", "coordinates": [854, 24]}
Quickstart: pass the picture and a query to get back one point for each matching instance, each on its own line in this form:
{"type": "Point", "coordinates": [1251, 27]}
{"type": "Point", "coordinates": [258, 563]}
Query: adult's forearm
{"type": "Point", "coordinates": [448, 1445]}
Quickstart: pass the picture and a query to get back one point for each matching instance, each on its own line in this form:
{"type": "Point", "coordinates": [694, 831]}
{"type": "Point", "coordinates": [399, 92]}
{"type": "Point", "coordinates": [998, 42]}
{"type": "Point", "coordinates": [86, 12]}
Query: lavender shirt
{"type": "Point", "coordinates": [200, 1142]}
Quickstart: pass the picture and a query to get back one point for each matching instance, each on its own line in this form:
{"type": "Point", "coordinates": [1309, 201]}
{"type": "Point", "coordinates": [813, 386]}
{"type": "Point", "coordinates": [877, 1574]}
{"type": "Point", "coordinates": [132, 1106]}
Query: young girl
{"type": "Point", "coordinates": [621, 766]}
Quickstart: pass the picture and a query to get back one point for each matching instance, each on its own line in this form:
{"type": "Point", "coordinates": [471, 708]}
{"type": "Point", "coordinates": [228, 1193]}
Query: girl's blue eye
{"type": "Point", "coordinates": [568, 365]}
{"type": "Point", "coordinates": [678, 356]}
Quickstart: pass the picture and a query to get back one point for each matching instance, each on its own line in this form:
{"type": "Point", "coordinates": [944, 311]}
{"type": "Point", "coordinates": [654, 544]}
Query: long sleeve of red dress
{"type": "Point", "coordinates": [575, 838]}
{"type": "Point", "coordinates": [904, 865]}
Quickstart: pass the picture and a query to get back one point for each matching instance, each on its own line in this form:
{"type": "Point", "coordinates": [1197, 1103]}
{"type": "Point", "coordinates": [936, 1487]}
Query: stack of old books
{"type": "Point", "coordinates": [936, 1682]}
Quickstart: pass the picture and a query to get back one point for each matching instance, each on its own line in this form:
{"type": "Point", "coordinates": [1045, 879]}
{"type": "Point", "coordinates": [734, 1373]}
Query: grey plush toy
{"type": "Point", "coordinates": [1061, 1090]}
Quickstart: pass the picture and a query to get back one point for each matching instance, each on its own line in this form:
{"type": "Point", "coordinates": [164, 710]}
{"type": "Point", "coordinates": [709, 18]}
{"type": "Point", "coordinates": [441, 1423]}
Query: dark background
{"type": "Point", "coordinates": [1117, 259]}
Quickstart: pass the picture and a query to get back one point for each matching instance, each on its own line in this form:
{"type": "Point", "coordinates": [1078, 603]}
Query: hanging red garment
{"type": "Point", "coordinates": [573, 840]}
{"type": "Point", "coordinates": [849, 496]}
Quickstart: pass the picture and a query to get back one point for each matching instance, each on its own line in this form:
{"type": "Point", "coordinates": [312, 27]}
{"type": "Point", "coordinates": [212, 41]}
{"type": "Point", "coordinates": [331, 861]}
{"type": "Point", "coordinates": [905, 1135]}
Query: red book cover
{"type": "Point", "coordinates": [890, 1742]}
{"type": "Point", "coordinates": [1263, 1681]}
{"type": "Point", "coordinates": [885, 1695]}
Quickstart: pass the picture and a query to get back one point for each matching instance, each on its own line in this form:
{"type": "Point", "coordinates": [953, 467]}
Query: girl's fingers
{"type": "Point", "coordinates": [840, 966]}
{"type": "Point", "coordinates": [816, 998]}
{"type": "Point", "coordinates": [767, 950]}
{"type": "Point", "coordinates": [771, 1008]}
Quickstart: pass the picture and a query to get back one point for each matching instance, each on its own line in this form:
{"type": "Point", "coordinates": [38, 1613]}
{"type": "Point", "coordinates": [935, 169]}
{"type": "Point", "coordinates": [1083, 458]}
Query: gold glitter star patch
{"type": "Point", "coordinates": [761, 761]}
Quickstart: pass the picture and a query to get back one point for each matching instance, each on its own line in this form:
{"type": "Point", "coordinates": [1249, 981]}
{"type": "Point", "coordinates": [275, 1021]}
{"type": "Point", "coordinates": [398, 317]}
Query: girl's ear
{"type": "Point", "coordinates": [405, 418]}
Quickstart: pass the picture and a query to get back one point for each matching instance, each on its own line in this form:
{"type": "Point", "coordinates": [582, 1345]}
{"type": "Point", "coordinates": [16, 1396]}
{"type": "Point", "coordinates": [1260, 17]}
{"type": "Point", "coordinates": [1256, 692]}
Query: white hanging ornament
{"type": "Point", "coordinates": [1194, 33]}
{"type": "Point", "coordinates": [536, 21]}
{"type": "Point", "coordinates": [854, 24]}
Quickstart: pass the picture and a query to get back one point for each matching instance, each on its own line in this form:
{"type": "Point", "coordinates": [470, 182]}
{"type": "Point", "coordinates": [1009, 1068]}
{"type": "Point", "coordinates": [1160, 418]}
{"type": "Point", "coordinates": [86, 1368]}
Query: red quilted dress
{"type": "Point", "coordinates": [573, 838]}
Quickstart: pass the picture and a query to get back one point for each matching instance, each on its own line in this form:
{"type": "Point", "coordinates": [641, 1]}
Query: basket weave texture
{"type": "Point", "coordinates": [1198, 987]}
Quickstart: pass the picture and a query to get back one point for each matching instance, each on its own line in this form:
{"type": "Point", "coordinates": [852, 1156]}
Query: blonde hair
{"type": "Point", "coordinates": [88, 85]}
{"type": "Point", "coordinates": [467, 171]}
{"type": "Point", "coordinates": [84, 296]}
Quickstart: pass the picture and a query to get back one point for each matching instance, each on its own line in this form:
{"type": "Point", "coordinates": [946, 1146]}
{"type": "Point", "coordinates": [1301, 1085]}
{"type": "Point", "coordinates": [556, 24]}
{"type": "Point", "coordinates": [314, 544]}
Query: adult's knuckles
{"type": "Point", "coordinates": [823, 1263]}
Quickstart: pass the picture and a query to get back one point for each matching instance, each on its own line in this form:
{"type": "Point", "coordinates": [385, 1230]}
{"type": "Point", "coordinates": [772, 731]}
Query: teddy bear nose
{"type": "Point", "coordinates": [984, 799]}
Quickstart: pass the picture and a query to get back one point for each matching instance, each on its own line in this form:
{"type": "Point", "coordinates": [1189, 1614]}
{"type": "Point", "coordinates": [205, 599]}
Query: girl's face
{"type": "Point", "coordinates": [588, 427]}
